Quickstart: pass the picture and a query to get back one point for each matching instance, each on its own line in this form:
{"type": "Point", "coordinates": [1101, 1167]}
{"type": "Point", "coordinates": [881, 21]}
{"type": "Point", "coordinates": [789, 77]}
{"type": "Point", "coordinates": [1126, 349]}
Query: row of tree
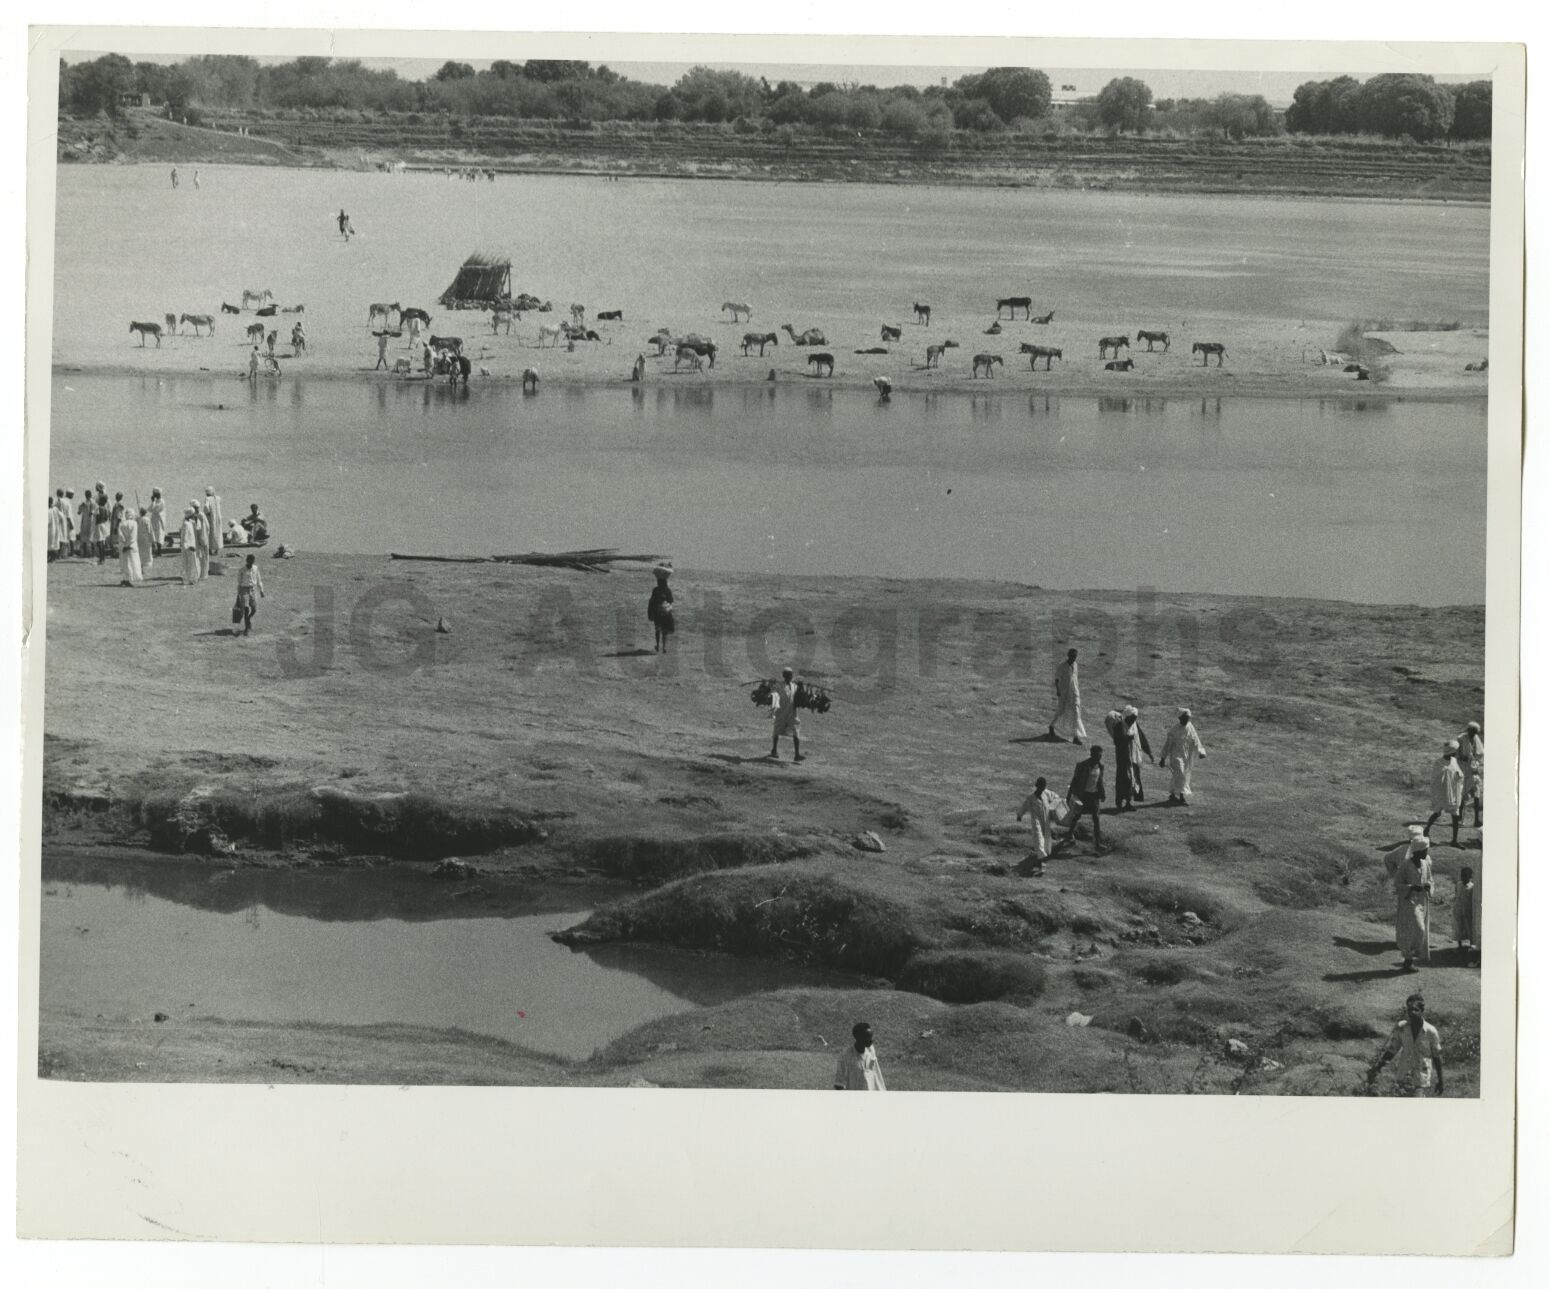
{"type": "Point", "coordinates": [550, 89]}
{"type": "Point", "coordinates": [1394, 105]}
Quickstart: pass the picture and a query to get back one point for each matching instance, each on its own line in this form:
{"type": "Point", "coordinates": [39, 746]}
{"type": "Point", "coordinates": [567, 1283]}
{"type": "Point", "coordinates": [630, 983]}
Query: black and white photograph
{"type": "Point", "coordinates": [743, 574]}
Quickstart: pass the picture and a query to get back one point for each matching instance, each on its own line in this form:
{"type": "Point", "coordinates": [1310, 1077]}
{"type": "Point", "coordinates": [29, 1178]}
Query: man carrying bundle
{"type": "Point", "coordinates": [784, 701]}
{"type": "Point", "coordinates": [1130, 746]}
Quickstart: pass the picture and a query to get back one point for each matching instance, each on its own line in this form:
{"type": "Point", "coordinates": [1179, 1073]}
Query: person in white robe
{"type": "Point", "coordinates": [144, 545]}
{"type": "Point", "coordinates": [1180, 749]}
{"type": "Point", "coordinates": [53, 531]}
{"type": "Point", "coordinates": [188, 539]}
{"type": "Point", "coordinates": [1464, 910]}
{"type": "Point", "coordinates": [201, 540]}
{"type": "Point", "coordinates": [1067, 721]}
{"type": "Point", "coordinates": [1410, 870]}
{"type": "Point", "coordinates": [212, 507]}
{"type": "Point", "coordinates": [1472, 762]}
{"type": "Point", "coordinates": [129, 549]}
{"type": "Point", "coordinates": [1042, 806]}
{"type": "Point", "coordinates": [1447, 790]}
{"type": "Point", "coordinates": [158, 516]}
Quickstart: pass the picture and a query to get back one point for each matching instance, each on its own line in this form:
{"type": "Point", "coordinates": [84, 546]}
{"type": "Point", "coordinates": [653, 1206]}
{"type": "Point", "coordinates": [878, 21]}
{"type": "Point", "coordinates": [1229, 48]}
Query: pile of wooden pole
{"type": "Point", "coordinates": [598, 560]}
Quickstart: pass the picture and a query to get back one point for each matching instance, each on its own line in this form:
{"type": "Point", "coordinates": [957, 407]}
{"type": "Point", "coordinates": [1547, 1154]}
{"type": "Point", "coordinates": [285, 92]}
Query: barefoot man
{"type": "Point", "coordinates": [1418, 1045]}
{"type": "Point", "coordinates": [1067, 722]}
{"type": "Point", "coordinates": [786, 720]}
{"type": "Point", "coordinates": [1180, 749]}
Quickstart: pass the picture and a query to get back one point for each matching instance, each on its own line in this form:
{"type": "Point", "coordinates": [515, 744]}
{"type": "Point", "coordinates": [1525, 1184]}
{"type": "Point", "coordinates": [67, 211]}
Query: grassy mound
{"type": "Point", "coordinates": [973, 975]}
{"type": "Point", "coordinates": [656, 859]}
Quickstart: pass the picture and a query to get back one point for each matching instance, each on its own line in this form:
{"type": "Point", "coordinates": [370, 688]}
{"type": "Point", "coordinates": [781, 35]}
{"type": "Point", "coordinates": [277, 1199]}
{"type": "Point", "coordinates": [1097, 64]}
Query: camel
{"type": "Point", "coordinates": [892, 333]}
{"type": "Point", "coordinates": [752, 338]}
{"type": "Point", "coordinates": [256, 333]}
{"type": "Point", "coordinates": [1013, 303]}
{"type": "Point", "coordinates": [812, 336]}
{"type": "Point", "coordinates": [740, 312]}
{"type": "Point", "coordinates": [530, 380]}
{"type": "Point", "coordinates": [197, 320]}
{"type": "Point", "coordinates": [923, 314]}
{"type": "Point", "coordinates": [1116, 343]}
{"type": "Point", "coordinates": [229, 308]}
{"type": "Point", "coordinates": [146, 329]}
{"type": "Point", "coordinates": [820, 361]}
{"type": "Point", "coordinates": [687, 354]}
{"type": "Point", "coordinates": [1205, 348]}
{"type": "Point", "coordinates": [1153, 337]}
{"type": "Point", "coordinates": [376, 311]}
{"type": "Point", "coordinates": [1045, 320]}
{"type": "Point", "coordinates": [987, 362]}
{"type": "Point", "coordinates": [1120, 364]}
{"type": "Point", "coordinates": [610, 315]}
{"type": "Point", "coordinates": [884, 387]}
{"type": "Point", "coordinates": [546, 332]}
{"type": "Point", "coordinates": [255, 298]}
{"type": "Point", "coordinates": [1036, 352]}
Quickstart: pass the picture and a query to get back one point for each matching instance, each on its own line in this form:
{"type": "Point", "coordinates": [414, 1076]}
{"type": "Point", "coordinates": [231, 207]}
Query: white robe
{"type": "Point", "coordinates": [213, 515]}
{"type": "Point", "coordinates": [1068, 715]}
{"type": "Point", "coordinates": [1180, 749]}
{"type": "Point", "coordinates": [54, 535]}
{"type": "Point", "coordinates": [158, 509]}
{"type": "Point", "coordinates": [1472, 762]}
{"type": "Point", "coordinates": [786, 719]}
{"type": "Point", "coordinates": [129, 550]}
{"type": "Point", "coordinates": [1447, 786]}
{"type": "Point", "coordinates": [1040, 807]}
{"type": "Point", "coordinates": [190, 556]}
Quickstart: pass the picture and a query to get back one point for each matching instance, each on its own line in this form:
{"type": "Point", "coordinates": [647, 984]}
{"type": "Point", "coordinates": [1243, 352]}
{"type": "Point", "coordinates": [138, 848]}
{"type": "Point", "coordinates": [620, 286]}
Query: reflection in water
{"type": "Point", "coordinates": [1110, 405]}
{"type": "Point", "coordinates": [1211, 407]}
{"type": "Point", "coordinates": [1352, 406]}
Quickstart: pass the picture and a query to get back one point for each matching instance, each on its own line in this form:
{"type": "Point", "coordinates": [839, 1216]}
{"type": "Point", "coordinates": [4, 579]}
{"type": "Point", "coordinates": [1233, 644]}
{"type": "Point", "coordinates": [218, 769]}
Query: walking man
{"type": "Point", "coordinates": [858, 1070]}
{"type": "Point", "coordinates": [786, 719]}
{"type": "Point", "coordinates": [1130, 745]}
{"type": "Point", "coordinates": [1447, 790]}
{"type": "Point", "coordinates": [1088, 791]}
{"type": "Point", "coordinates": [129, 549]}
{"type": "Point", "coordinates": [1418, 1045]}
{"type": "Point", "coordinates": [1180, 749]}
{"type": "Point", "coordinates": [212, 505]}
{"type": "Point", "coordinates": [1040, 806]}
{"type": "Point", "coordinates": [188, 541]}
{"type": "Point", "coordinates": [201, 541]}
{"type": "Point", "coordinates": [1472, 762]}
{"type": "Point", "coordinates": [250, 582]}
{"type": "Point", "coordinates": [1411, 872]}
{"type": "Point", "coordinates": [1067, 722]}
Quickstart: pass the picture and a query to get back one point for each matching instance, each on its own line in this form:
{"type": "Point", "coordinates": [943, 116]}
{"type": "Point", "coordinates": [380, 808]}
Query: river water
{"type": "Point", "coordinates": [1336, 498]}
{"type": "Point", "coordinates": [127, 940]}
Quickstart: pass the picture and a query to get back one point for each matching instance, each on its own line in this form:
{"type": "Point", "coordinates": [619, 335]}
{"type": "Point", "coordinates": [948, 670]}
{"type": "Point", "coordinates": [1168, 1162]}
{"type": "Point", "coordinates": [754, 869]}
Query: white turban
{"type": "Point", "coordinates": [1420, 844]}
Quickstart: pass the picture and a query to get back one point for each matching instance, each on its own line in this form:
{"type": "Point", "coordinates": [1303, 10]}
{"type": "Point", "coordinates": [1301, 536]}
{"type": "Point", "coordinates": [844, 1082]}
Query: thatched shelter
{"type": "Point", "coordinates": [482, 282]}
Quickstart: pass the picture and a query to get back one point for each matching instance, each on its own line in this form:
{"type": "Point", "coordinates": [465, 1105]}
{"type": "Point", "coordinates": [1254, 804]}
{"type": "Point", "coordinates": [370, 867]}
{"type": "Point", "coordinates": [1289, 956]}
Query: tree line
{"type": "Point", "coordinates": [999, 98]}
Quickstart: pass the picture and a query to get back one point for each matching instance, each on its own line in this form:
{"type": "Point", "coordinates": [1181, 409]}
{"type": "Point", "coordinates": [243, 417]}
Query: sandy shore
{"type": "Point", "coordinates": [544, 702]}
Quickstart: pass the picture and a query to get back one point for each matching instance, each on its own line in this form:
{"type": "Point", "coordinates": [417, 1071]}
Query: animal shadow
{"type": "Point", "coordinates": [732, 759]}
{"type": "Point", "coordinates": [631, 653]}
{"type": "Point", "coordinates": [1367, 948]}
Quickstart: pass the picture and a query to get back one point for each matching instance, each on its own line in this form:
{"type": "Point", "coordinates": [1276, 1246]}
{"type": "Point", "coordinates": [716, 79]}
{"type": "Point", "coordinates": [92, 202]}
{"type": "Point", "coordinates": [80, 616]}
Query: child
{"type": "Point", "coordinates": [1464, 911]}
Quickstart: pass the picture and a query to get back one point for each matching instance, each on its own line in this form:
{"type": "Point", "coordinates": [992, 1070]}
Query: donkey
{"type": "Point", "coordinates": [1013, 303]}
{"type": "Point", "coordinates": [1036, 352]}
{"type": "Point", "coordinates": [1153, 338]}
{"type": "Point", "coordinates": [752, 338]}
{"type": "Point", "coordinates": [688, 354]}
{"type": "Point", "coordinates": [268, 311]}
{"type": "Point", "coordinates": [739, 312]}
{"type": "Point", "coordinates": [530, 380]}
{"type": "Point", "coordinates": [934, 355]}
{"type": "Point", "coordinates": [1045, 320]}
{"type": "Point", "coordinates": [251, 299]}
{"type": "Point", "coordinates": [1205, 348]}
{"type": "Point", "coordinates": [1120, 364]}
{"type": "Point", "coordinates": [610, 315]}
{"type": "Point", "coordinates": [923, 314]}
{"type": "Point", "coordinates": [229, 308]}
{"type": "Point", "coordinates": [987, 362]}
{"type": "Point", "coordinates": [820, 362]}
{"type": "Point", "coordinates": [146, 329]}
{"type": "Point", "coordinates": [170, 322]}
{"type": "Point", "coordinates": [376, 311]}
{"type": "Point", "coordinates": [452, 343]}
{"type": "Point", "coordinates": [197, 320]}
{"type": "Point", "coordinates": [547, 332]}
{"type": "Point", "coordinates": [892, 333]}
{"type": "Point", "coordinates": [256, 333]}
{"type": "Point", "coordinates": [1116, 343]}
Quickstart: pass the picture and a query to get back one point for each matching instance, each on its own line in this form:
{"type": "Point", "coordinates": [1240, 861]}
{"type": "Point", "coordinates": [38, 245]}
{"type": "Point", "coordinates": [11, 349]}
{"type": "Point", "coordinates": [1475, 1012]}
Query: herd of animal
{"type": "Point", "coordinates": [174, 324]}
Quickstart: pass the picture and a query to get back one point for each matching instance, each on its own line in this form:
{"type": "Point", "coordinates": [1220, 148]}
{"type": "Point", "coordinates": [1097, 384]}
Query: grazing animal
{"type": "Point", "coordinates": [578, 313]}
{"type": "Point", "coordinates": [994, 329]}
{"type": "Point", "coordinates": [1045, 320]}
{"type": "Point", "coordinates": [818, 362]}
{"type": "Point", "coordinates": [739, 312]}
{"type": "Point", "coordinates": [687, 354]}
{"type": "Point", "coordinates": [1036, 352]}
{"type": "Point", "coordinates": [1151, 338]}
{"type": "Point", "coordinates": [884, 387]}
{"type": "Point", "coordinates": [170, 321]}
{"type": "Point", "coordinates": [923, 314]}
{"type": "Point", "coordinates": [292, 308]}
{"type": "Point", "coordinates": [1120, 364]}
{"type": "Point", "coordinates": [934, 355]}
{"type": "Point", "coordinates": [1205, 348]}
{"type": "Point", "coordinates": [752, 338]}
{"type": "Point", "coordinates": [498, 318]}
{"type": "Point", "coordinates": [530, 380]}
{"type": "Point", "coordinates": [1482, 365]}
{"type": "Point", "coordinates": [402, 367]}
{"type": "Point", "coordinates": [1013, 303]}
{"type": "Point", "coordinates": [197, 320]}
{"type": "Point", "coordinates": [812, 336]}
{"type": "Point", "coordinates": [229, 308]}
{"type": "Point", "coordinates": [1116, 343]}
{"type": "Point", "coordinates": [876, 349]}
{"type": "Point", "coordinates": [610, 315]}
{"type": "Point", "coordinates": [254, 298]}
{"type": "Point", "coordinates": [661, 340]}
{"type": "Point", "coordinates": [987, 362]}
{"type": "Point", "coordinates": [892, 333]}
{"type": "Point", "coordinates": [413, 315]}
{"type": "Point", "coordinates": [548, 332]}
{"type": "Point", "coordinates": [453, 344]}
{"type": "Point", "coordinates": [698, 344]}
{"type": "Point", "coordinates": [268, 311]}
{"type": "Point", "coordinates": [381, 311]}
{"type": "Point", "coordinates": [256, 332]}
{"type": "Point", "coordinates": [1332, 358]}
{"type": "Point", "coordinates": [146, 329]}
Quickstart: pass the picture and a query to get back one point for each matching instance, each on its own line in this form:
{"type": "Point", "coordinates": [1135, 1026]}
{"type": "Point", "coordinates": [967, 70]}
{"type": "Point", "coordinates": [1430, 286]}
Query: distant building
{"type": "Point", "coordinates": [129, 99]}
